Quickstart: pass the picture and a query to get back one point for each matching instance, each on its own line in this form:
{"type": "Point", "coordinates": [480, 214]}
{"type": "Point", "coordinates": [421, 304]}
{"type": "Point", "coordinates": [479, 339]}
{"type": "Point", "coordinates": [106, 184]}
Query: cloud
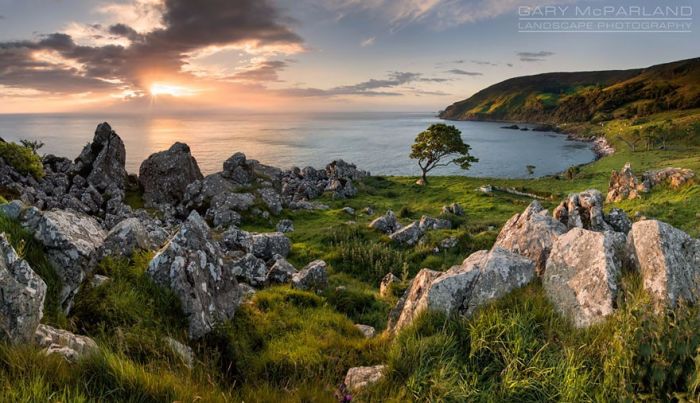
{"type": "Point", "coordinates": [263, 71]}
{"type": "Point", "coordinates": [368, 42]}
{"type": "Point", "coordinates": [159, 48]}
{"type": "Point", "coordinates": [373, 87]}
{"type": "Point", "coordinates": [509, 64]}
{"type": "Point", "coordinates": [464, 73]}
{"type": "Point", "coordinates": [483, 63]}
{"type": "Point", "coordinates": [534, 56]}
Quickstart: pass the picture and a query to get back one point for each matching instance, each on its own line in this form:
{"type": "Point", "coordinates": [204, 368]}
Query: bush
{"type": "Point", "coordinates": [22, 159]}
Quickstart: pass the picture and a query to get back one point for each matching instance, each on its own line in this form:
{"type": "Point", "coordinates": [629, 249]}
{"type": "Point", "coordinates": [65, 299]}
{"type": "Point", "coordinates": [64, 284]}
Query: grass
{"type": "Point", "coordinates": [22, 159]}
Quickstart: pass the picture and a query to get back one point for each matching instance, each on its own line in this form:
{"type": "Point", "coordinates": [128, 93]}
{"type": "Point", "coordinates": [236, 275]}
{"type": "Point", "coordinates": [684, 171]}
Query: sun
{"type": "Point", "coordinates": [169, 89]}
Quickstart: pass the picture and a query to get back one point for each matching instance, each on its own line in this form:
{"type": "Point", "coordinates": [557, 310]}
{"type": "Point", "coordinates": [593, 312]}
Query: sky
{"type": "Point", "coordinates": [147, 56]}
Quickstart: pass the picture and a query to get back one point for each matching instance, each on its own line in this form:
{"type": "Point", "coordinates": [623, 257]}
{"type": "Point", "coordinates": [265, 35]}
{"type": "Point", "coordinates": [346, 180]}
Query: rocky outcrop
{"type": "Point", "coordinates": [583, 210]}
{"type": "Point", "coordinates": [625, 185]}
{"type": "Point", "coordinates": [388, 223]}
{"type": "Point", "coordinates": [22, 294]}
{"type": "Point", "coordinates": [408, 235]}
{"type": "Point", "coordinates": [129, 236]}
{"type": "Point", "coordinates": [102, 162]}
{"type": "Point", "coordinates": [582, 274]}
{"type": "Point", "coordinates": [267, 245]}
{"type": "Point", "coordinates": [250, 269]}
{"type": "Point", "coordinates": [58, 341]}
{"type": "Point", "coordinates": [453, 208]}
{"type": "Point", "coordinates": [191, 266]}
{"type": "Point", "coordinates": [674, 177]}
{"type": "Point", "coordinates": [483, 277]}
{"type": "Point", "coordinates": [312, 277]}
{"type": "Point", "coordinates": [285, 226]}
{"type": "Point", "coordinates": [71, 240]}
{"type": "Point", "coordinates": [165, 175]}
{"type": "Point", "coordinates": [308, 183]}
{"type": "Point", "coordinates": [531, 234]}
{"type": "Point", "coordinates": [281, 272]}
{"type": "Point", "coordinates": [668, 260]}
{"type": "Point", "coordinates": [361, 377]}
{"type": "Point", "coordinates": [618, 220]}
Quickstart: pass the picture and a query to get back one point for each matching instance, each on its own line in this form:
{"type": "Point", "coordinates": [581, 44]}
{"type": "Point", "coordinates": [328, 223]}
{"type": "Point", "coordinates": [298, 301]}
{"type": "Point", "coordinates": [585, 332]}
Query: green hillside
{"type": "Point", "coordinates": [592, 96]}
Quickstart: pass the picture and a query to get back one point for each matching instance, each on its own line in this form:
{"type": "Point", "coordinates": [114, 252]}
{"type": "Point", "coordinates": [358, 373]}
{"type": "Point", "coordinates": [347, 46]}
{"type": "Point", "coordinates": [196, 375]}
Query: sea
{"type": "Point", "coordinates": [378, 142]}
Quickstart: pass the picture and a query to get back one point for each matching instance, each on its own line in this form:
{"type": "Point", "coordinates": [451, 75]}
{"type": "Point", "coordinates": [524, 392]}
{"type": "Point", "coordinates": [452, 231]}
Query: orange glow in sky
{"type": "Point", "coordinates": [172, 90]}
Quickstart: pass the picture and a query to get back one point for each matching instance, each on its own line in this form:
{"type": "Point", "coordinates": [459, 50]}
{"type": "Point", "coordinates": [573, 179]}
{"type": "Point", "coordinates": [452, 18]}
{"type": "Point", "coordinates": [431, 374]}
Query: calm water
{"type": "Point", "coordinates": [378, 142]}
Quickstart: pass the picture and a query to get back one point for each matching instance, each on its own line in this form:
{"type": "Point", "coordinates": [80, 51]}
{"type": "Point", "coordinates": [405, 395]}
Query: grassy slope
{"type": "Point", "coordinates": [295, 346]}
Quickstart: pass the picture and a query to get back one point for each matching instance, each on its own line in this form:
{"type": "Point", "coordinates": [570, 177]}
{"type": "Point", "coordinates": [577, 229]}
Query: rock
{"type": "Point", "coordinates": [22, 294]}
{"type": "Point", "coordinates": [368, 211]}
{"type": "Point", "coordinates": [449, 243]}
{"type": "Point", "coordinates": [247, 292]}
{"type": "Point", "coordinates": [453, 208]}
{"type": "Point", "coordinates": [58, 341]}
{"type": "Point", "coordinates": [165, 175]}
{"type": "Point", "coordinates": [420, 182]}
{"type": "Point", "coordinates": [181, 350]}
{"type": "Point", "coordinates": [312, 277]}
{"type": "Point", "coordinates": [12, 209]}
{"type": "Point", "coordinates": [349, 210]}
{"type": "Point", "coordinates": [483, 277]}
{"type": "Point", "coordinates": [225, 207]}
{"type": "Point", "coordinates": [98, 280]}
{"type": "Point", "coordinates": [582, 274]}
{"type": "Point", "coordinates": [71, 241]}
{"type": "Point", "coordinates": [531, 234]}
{"type": "Point", "coordinates": [341, 169]}
{"type": "Point", "coordinates": [285, 226]}
{"type": "Point", "coordinates": [486, 189]}
{"type": "Point", "coordinates": [272, 200]}
{"type": "Point", "coordinates": [281, 272]}
{"type": "Point", "coordinates": [668, 260]}
{"type": "Point", "coordinates": [361, 377]}
{"type": "Point", "coordinates": [191, 266]}
{"type": "Point", "coordinates": [267, 245]}
{"type": "Point", "coordinates": [250, 269]}
{"type": "Point", "coordinates": [102, 162]}
{"type": "Point", "coordinates": [388, 223]}
{"type": "Point", "coordinates": [428, 223]}
{"type": "Point", "coordinates": [618, 220]}
{"type": "Point", "coordinates": [583, 210]}
{"type": "Point", "coordinates": [385, 286]}
{"type": "Point", "coordinates": [408, 235]}
{"type": "Point", "coordinates": [127, 237]}
{"type": "Point", "coordinates": [674, 177]}
{"type": "Point", "coordinates": [237, 169]}
{"type": "Point", "coordinates": [624, 185]}
{"type": "Point", "coordinates": [367, 331]}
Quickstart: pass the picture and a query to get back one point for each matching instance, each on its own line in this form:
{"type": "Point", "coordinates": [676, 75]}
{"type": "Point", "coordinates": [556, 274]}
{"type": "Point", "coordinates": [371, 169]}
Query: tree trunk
{"type": "Point", "coordinates": [425, 177]}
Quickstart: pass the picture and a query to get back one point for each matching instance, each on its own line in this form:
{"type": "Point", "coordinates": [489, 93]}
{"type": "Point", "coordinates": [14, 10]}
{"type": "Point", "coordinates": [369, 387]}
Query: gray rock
{"type": "Point", "coordinates": [408, 235]}
{"type": "Point", "coordinates": [165, 175]}
{"type": "Point", "coordinates": [618, 220]}
{"type": "Point", "coordinates": [368, 211]}
{"type": "Point", "coordinates": [102, 162]}
{"type": "Point", "coordinates": [582, 274]}
{"type": "Point", "coordinates": [285, 226]}
{"type": "Point", "coordinates": [385, 285]}
{"type": "Point", "coordinates": [668, 260]}
{"type": "Point", "coordinates": [367, 331]}
{"type": "Point", "coordinates": [583, 210]}
{"type": "Point", "coordinates": [237, 169]}
{"type": "Point", "coordinates": [358, 378]}
{"type": "Point", "coordinates": [225, 207]}
{"type": "Point", "coordinates": [22, 294]}
{"type": "Point", "coordinates": [531, 234]}
{"type": "Point", "coordinates": [429, 223]}
{"type": "Point", "coordinates": [127, 237]}
{"type": "Point", "coordinates": [281, 272]}
{"type": "Point", "coordinates": [250, 269]}
{"type": "Point", "coordinates": [272, 200]}
{"type": "Point", "coordinates": [340, 169]}
{"type": "Point", "coordinates": [267, 245]}
{"type": "Point", "coordinates": [449, 243]}
{"type": "Point", "coordinates": [247, 292]}
{"type": "Point", "coordinates": [388, 223]}
{"type": "Point", "coordinates": [624, 185]}
{"type": "Point", "coordinates": [191, 266]}
{"type": "Point", "coordinates": [349, 210]}
{"type": "Point", "coordinates": [12, 209]}
{"type": "Point", "coordinates": [98, 280]}
{"type": "Point", "coordinates": [312, 277]}
{"type": "Point", "coordinates": [181, 350]}
{"type": "Point", "coordinates": [453, 208]}
{"type": "Point", "coordinates": [58, 341]}
{"type": "Point", "coordinates": [413, 300]}
{"type": "Point", "coordinates": [71, 241]}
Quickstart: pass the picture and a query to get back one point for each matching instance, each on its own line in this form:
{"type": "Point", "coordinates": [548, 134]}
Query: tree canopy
{"type": "Point", "coordinates": [441, 145]}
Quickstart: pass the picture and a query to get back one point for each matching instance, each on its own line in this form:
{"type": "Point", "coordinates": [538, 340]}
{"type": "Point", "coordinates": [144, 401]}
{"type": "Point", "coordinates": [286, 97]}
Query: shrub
{"type": "Point", "coordinates": [22, 159]}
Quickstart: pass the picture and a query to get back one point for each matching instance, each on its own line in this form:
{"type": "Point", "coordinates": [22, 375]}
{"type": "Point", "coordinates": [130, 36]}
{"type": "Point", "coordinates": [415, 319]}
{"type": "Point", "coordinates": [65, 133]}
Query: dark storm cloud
{"type": "Point", "coordinates": [463, 72]}
{"type": "Point", "coordinates": [265, 71]}
{"type": "Point", "coordinates": [188, 26]}
{"type": "Point", "coordinates": [372, 87]}
{"type": "Point", "coordinates": [534, 56]}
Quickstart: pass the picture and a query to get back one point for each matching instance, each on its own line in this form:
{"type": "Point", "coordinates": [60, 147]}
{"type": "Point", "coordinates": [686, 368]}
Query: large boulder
{"type": "Point", "coordinates": [388, 223]}
{"type": "Point", "coordinates": [624, 185]}
{"type": "Point", "coordinates": [668, 260]}
{"type": "Point", "coordinates": [21, 297]}
{"type": "Point", "coordinates": [191, 266]}
{"type": "Point", "coordinates": [165, 175]}
{"type": "Point", "coordinates": [483, 277]}
{"type": "Point", "coordinates": [281, 271]}
{"type": "Point", "coordinates": [582, 274]}
{"type": "Point", "coordinates": [267, 245]}
{"type": "Point", "coordinates": [619, 220]}
{"type": "Point", "coordinates": [531, 234]}
{"type": "Point", "coordinates": [583, 210]}
{"type": "Point", "coordinates": [58, 341]}
{"type": "Point", "coordinates": [408, 235]}
{"type": "Point", "coordinates": [102, 162]}
{"type": "Point", "coordinates": [272, 200]}
{"type": "Point", "coordinates": [313, 277]}
{"type": "Point", "coordinates": [127, 237]}
{"type": "Point", "coordinates": [71, 240]}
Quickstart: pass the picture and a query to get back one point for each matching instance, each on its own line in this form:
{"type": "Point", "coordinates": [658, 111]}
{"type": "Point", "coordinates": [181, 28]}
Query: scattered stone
{"type": "Point", "coordinates": [12, 209]}
{"type": "Point", "coordinates": [486, 189]}
{"type": "Point", "coordinates": [449, 243]}
{"type": "Point", "coordinates": [674, 177]}
{"type": "Point", "coordinates": [385, 286]}
{"type": "Point", "coordinates": [191, 266]}
{"type": "Point", "coordinates": [429, 223]}
{"type": "Point", "coordinates": [265, 246]}
{"type": "Point", "coordinates": [453, 208]}
{"type": "Point", "coordinates": [58, 341]}
{"type": "Point", "coordinates": [668, 260]}
{"type": "Point", "coordinates": [349, 210]}
{"type": "Point", "coordinates": [408, 235]}
{"type": "Point", "coordinates": [165, 175]}
{"type": "Point", "coordinates": [285, 226]}
{"type": "Point", "coordinates": [583, 210]}
{"type": "Point", "coordinates": [281, 272]}
{"type": "Point", "coordinates": [272, 200]}
{"type": "Point", "coordinates": [312, 277]}
{"type": "Point", "coordinates": [22, 294]}
{"type": "Point", "coordinates": [582, 274]}
{"type": "Point", "coordinates": [367, 331]}
{"type": "Point", "coordinates": [98, 280]}
{"type": "Point", "coordinates": [368, 211]}
{"type": "Point", "coordinates": [250, 269]}
{"type": "Point", "coordinates": [624, 185]}
{"type": "Point", "coordinates": [388, 223]}
{"type": "Point", "coordinates": [361, 377]}
{"type": "Point", "coordinates": [181, 350]}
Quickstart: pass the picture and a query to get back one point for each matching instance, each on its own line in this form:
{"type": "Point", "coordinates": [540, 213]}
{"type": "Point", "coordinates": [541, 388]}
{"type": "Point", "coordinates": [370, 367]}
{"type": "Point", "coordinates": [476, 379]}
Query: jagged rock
{"type": "Point", "coordinates": [22, 294]}
{"type": "Point", "coordinates": [191, 266]}
{"type": "Point", "coordinates": [102, 162]}
{"type": "Point", "coordinates": [267, 245]}
{"type": "Point", "coordinates": [408, 235]}
{"type": "Point", "coordinates": [675, 177]}
{"type": "Point", "coordinates": [165, 175]}
{"type": "Point", "coordinates": [668, 260]}
{"type": "Point", "coordinates": [312, 277]}
{"type": "Point", "coordinates": [388, 223]}
{"type": "Point", "coordinates": [453, 208]}
{"type": "Point", "coordinates": [344, 170]}
{"type": "Point", "coordinates": [285, 226]}
{"type": "Point", "coordinates": [58, 341]}
{"type": "Point", "coordinates": [127, 237]}
{"type": "Point", "coordinates": [250, 269]}
{"type": "Point", "coordinates": [236, 169]}
{"type": "Point", "coordinates": [531, 234]}
{"type": "Point", "coordinates": [272, 200]}
{"type": "Point", "coordinates": [618, 220]}
{"type": "Point", "coordinates": [361, 377]}
{"type": "Point", "coordinates": [71, 241]}
{"type": "Point", "coordinates": [12, 209]}
{"type": "Point", "coordinates": [582, 274]}
{"type": "Point", "coordinates": [281, 272]}
{"type": "Point", "coordinates": [483, 277]}
{"type": "Point", "coordinates": [429, 223]}
{"type": "Point", "coordinates": [583, 210]}
{"type": "Point", "coordinates": [624, 185]}
{"type": "Point", "coordinates": [247, 292]}
{"type": "Point", "coordinates": [182, 350]}
{"type": "Point", "coordinates": [387, 282]}
{"type": "Point", "coordinates": [224, 208]}
{"type": "Point", "coordinates": [367, 331]}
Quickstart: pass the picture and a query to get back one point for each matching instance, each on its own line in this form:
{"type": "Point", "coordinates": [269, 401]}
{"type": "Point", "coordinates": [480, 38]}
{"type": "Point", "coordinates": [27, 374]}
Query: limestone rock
{"type": "Point", "coordinates": [624, 185]}
{"type": "Point", "coordinates": [285, 225]}
{"type": "Point", "coordinates": [58, 341]}
{"type": "Point", "coordinates": [408, 235]}
{"type": "Point", "coordinates": [360, 377]}
{"type": "Point", "coordinates": [281, 272]}
{"type": "Point", "coordinates": [387, 282]}
{"type": "Point", "coordinates": [583, 210]}
{"type": "Point", "coordinates": [388, 223]}
{"type": "Point", "coordinates": [453, 208]}
{"type": "Point", "coordinates": [267, 245]}
{"type": "Point", "coordinates": [582, 274]}
{"type": "Point", "coordinates": [165, 175]}
{"type": "Point", "coordinates": [22, 294]}
{"type": "Point", "coordinates": [182, 350]}
{"type": "Point", "coordinates": [250, 269]}
{"type": "Point", "coordinates": [127, 237]}
{"type": "Point", "coordinates": [312, 277]}
{"type": "Point", "coordinates": [102, 162]}
{"type": "Point", "coordinates": [272, 200]}
{"type": "Point", "coordinates": [618, 220]}
{"type": "Point", "coordinates": [367, 331]}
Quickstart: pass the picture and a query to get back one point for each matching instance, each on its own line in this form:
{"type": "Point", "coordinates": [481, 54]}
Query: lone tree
{"type": "Point", "coordinates": [438, 146]}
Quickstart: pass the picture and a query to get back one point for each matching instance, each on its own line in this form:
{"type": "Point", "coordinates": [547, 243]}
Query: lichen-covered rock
{"type": "Point", "coordinates": [272, 200]}
{"type": "Point", "coordinates": [225, 207]}
{"type": "Point", "coordinates": [668, 260]}
{"type": "Point", "coordinates": [191, 266]}
{"type": "Point", "coordinates": [428, 223]}
{"type": "Point", "coordinates": [387, 282]}
{"type": "Point", "coordinates": [449, 243]}
{"type": "Point", "coordinates": [165, 175]}
{"type": "Point", "coordinates": [102, 162]}
{"type": "Point", "coordinates": [126, 237]}
{"type": "Point", "coordinates": [12, 209]}
{"type": "Point", "coordinates": [388, 223]}
{"type": "Point", "coordinates": [367, 331]}
{"type": "Point", "coordinates": [281, 271]}
{"type": "Point", "coordinates": [58, 341]}
{"type": "Point", "coordinates": [361, 377]}
{"type": "Point", "coordinates": [22, 294]}
{"type": "Point", "coordinates": [674, 177]}
{"type": "Point", "coordinates": [583, 210]}
{"type": "Point", "coordinates": [453, 208]}
{"type": "Point", "coordinates": [408, 235]}
{"type": "Point", "coordinates": [267, 245]}
{"type": "Point", "coordinates": [624, 185]}
{"type": "Point", "coordinates": [71, 241]}
{"type": "Point", "coordinates": [312, 277]}
{"type": "Point", "coordinates": [618, 220]}
{"type": "Point", "coordinates": [531, 234]}
{"type": "Point", "coordinates": [285, 225]}
{"type": "Point", "coordinates": [413, 300]}
{"type": "Point", "coordinates": [250, 269]}
{"type": "Point", "coordinates": [582, 274]}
